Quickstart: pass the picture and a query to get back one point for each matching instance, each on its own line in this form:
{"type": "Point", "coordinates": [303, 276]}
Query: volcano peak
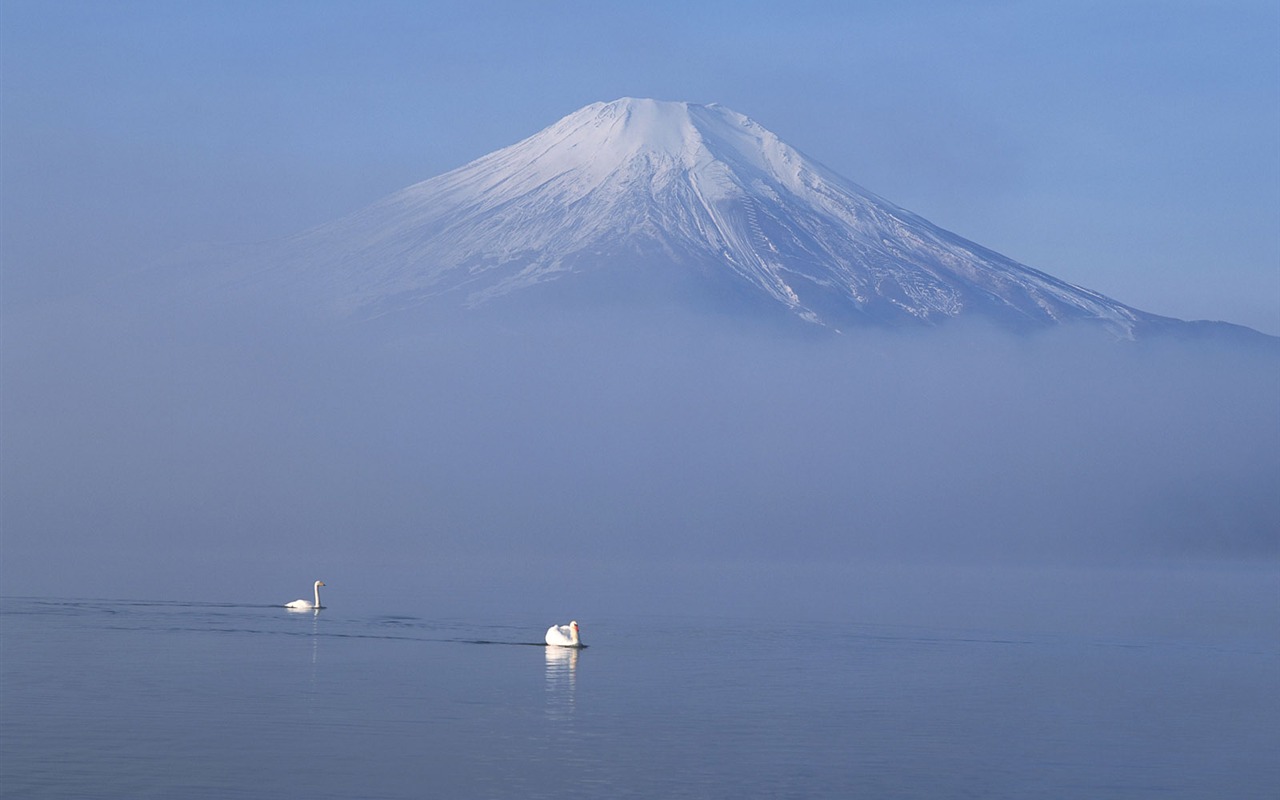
{"type": "Point", "coordinates": [696, 203]}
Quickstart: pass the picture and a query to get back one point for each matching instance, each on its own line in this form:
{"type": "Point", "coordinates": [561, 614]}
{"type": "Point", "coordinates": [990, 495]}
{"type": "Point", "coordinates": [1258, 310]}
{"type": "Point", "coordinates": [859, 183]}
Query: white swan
{"type": "Point", "coordinates": [307, 605]}
{"type": "Point", "coordinates": [564, 635]}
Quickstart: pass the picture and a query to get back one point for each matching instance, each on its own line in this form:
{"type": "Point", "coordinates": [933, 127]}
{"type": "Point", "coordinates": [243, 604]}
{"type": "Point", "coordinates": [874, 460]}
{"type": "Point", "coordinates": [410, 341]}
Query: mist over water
{"type": "Point", "coordinates": [627, 461]}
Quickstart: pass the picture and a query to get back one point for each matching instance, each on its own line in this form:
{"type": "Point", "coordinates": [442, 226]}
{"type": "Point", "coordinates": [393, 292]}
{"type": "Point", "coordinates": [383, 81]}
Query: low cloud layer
{"type": "Point", "coordinates": [163, 457]}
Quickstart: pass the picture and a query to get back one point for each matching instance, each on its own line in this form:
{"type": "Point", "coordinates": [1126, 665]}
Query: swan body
{"type": "Point", "coordinates": [564, 635]}
{"type": "Point", "coordinates": [307, 605]}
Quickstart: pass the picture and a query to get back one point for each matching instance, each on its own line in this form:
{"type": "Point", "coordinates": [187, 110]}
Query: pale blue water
{"type": "Point", "coordinates": [111, 699]}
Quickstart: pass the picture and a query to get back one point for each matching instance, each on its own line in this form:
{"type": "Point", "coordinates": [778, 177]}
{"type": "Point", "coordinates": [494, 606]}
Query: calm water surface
{"type": "Point", "coordinates": [112, 699]}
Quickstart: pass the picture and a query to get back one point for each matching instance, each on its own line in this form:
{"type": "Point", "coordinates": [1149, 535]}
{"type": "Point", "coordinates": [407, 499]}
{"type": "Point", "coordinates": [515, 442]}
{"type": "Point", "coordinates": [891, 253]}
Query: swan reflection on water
{"type": "Point", "coordinates": [562, 665]}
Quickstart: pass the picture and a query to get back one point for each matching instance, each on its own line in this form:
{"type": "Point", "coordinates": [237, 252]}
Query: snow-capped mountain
{"type": "Point", "coordinates": [637, 196]}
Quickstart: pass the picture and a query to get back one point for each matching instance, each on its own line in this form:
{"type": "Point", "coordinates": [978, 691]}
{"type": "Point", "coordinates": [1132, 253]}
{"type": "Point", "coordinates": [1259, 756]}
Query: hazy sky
{"type": "Point", "coordinates": [1133, 147]}
{"type": "Point", "coordinates": [153, 451]}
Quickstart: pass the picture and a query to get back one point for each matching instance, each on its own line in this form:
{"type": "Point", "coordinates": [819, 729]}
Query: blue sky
{"type": "Point", "coordinates": [1132, 147]}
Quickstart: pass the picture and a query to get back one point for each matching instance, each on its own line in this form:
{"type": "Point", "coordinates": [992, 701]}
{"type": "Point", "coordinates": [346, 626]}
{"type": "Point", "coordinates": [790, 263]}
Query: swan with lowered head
{"type": "Point", "coordinates": [564, 635]}
{"type": "Point", "coordinates": [307, 605]}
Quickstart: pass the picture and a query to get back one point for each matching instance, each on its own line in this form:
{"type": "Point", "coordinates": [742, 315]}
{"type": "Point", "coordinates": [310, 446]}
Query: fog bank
{"type": "Point", "coordinates": [168, 456]}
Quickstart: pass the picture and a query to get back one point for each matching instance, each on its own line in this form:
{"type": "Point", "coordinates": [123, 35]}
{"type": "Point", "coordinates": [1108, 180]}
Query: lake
{"type": "Point", "coordinates": [133, 699]}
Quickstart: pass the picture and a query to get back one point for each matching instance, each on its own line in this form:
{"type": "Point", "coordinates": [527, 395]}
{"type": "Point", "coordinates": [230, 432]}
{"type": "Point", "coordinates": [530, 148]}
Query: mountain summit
{"type": "Point", "coordinates": [644, 197]}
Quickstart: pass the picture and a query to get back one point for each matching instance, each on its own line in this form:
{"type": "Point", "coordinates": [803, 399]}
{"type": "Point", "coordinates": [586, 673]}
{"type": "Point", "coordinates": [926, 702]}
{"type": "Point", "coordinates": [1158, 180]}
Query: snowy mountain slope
{"type": "Point", "coordinates": [671, 194]}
